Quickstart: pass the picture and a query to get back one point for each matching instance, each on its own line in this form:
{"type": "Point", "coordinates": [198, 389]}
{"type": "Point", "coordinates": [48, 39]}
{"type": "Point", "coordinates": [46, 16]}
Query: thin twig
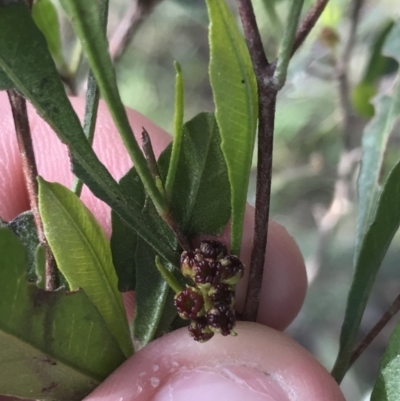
{"type": "Point", "coordinates": [179, 234]}
{"type": "Point", "coordinates": [253, 37]}
{"type": "Point", "coordinates": [383, 321]}
{"type": "Point", "coordinates": [263, 193]}
{"type": "Point", "coordinates": [308, 23]}
{"type": "Point", "coordinates": [149, 154]}
{"type": "Point", "coordinates": [125, 32]}
{"type": "Point", "coordinates": [267, 98]}
{"type": "Point", "coordinates": [29, 3]}
{"type": "Point", "coordinates": [24, 139]}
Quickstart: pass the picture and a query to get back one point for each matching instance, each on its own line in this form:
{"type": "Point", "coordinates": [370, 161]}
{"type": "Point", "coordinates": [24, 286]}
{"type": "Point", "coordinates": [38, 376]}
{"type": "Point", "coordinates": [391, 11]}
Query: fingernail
{"type": "Point", "coordinates": [224, 384]}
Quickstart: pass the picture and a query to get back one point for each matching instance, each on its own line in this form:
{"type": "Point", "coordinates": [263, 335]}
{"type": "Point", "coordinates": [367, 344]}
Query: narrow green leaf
{"type": "Point", "coordinates": [374, 142]}
{"type": "Point", "coordinates": [85, 19]}
{"type": "Point", "coordinates": [35, 76]}
{"type": "Point", "coordinates": [123, 240]}
{"type": "Point", "coordinates": [178, 130]}
{"type": "Point", "coordinates": [168, 276]}
{"type": "Point", "coordinates": [200, 199]}
{"type": "Point", "coordinates": [92, 101]}
{"type": "Point", "coordinates": [387, 385]}
{"type": "Point", "coordinates": [150, 296]}
{"type": "Point", "coordinates": [53, 346]}
{"type": "Point", "coordinates": [378, 216]}
{"type": "Point", "coordinates": [83, 255]}
{"type": "Point", "coordinates": [286, 46]}
{"type": "Point", "coordinates": [45, 16]}
{"type": "Point", "coordinates": [235, 96]}
{"type": "Point", "coordinates": [378, 65]}
{"type": "Point", "coordinates": [135, 265]}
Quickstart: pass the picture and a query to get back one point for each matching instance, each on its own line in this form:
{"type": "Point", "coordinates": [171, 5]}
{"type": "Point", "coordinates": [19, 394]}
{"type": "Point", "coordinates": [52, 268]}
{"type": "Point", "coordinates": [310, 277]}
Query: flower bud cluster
{"type": "Point", "coordinates": [209, 302]}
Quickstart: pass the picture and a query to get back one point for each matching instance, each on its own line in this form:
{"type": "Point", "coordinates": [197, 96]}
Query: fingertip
{"type": "Point", "coordinates": [258, 364]}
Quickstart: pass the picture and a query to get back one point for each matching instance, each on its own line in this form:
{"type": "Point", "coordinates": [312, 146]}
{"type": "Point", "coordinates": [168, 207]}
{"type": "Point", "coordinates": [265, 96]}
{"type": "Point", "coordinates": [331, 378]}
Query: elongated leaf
{"type": "Point", "coordinates": [53, 346]}
{"type": "Point", "coordinates": [83, 255]}
{"type": "Point", "coordinates": [201, 194]}
{"type": "Point", "coordinates": [35, 76]}
{"type": "Point", "coordinates": [123, 240]}
{"type": "Point", "coordinates": [45, 16]}
{"type": "Point", "coordinates": [86, 21]}
{"type": "Point", "coordinates": [387, 386]}
{"type": "Point", "coordinates": [136, 270]}
{"type": "Point", "coordinates": [378, 217]}
{"type": "Point", "coordinates": [235, 96]}
{"type": "Point", "coordinates": [150, 297]}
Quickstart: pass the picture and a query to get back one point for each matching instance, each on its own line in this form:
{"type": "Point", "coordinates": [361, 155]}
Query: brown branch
{"type": "Point", "coordinates": [128, 26]}
{"type": "Point", "coordinates": [267, 103]}
{"type": "Point", "coordinates": [29, 3]}
{"type": "Point", "coordinates": [267, 99]}
{"type": "Point", "coordinates": [383, 321]}
{"type": "Point", "coordinates": [308, 23]}
{"type": "Point", "coordinates": [24, 139]}
{"type": "Point", "coordinates": [253, 37]}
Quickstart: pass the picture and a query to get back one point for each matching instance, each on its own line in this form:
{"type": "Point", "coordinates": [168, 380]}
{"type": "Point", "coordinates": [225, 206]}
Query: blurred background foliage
{"type": "Point", "coordinates": [319, 123]}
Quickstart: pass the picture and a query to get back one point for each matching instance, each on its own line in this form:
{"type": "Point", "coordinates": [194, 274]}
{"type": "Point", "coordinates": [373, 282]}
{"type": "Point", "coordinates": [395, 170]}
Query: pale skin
{"type": "Point", "coordinates": [261, 363]}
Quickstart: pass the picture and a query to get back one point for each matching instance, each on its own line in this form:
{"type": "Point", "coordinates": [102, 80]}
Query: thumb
{"type": "Point", "coordinates": [259, 364]}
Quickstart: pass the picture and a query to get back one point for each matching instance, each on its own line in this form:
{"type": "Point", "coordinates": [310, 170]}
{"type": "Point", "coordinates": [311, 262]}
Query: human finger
{"type": "Point", "coordinates": [259, 364]}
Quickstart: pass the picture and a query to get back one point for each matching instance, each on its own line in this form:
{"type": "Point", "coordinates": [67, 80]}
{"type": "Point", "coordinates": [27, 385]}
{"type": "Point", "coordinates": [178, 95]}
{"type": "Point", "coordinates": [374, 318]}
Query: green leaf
{"type": "Point", "coordinates": [378, 216]}
{"type": "Point", "coordinates": [123, 239]}
{"type": "Point", "coordinates": [377, 66]}
{"type": "Point", "coordinates": [135, 266]}
{"type": "Point", "coordinates": [23, 226]}
{"type": "Point", "coordinates": [83, 255]}
{"type": "Point", "coordinates": [5, 82]}
{"type": "Point", "coordinates": [92, 101]}
{"type": "Point", "coordinates": [53, 346]}
{"type": "Point", "coordinates": [235, 96]}
{"type": "Point", "coordinates": [200, 198]}
{"type": "Point", "coordinates": [178, 130]}
{"type": "Point", "coordinates": [374, 143]}
{"type": "Point", "coordinates": [45, 16]}
{"type": "Point", "coordinates": [361, 97]}
{"type": "Point", "coordinates": [150, 296]}
{"type": "Point", "coordinates": [35, 76]}
{"type": "Point", "coordinates": [387, 385]}
{"type": "Point", "coordinates": [86, 21]}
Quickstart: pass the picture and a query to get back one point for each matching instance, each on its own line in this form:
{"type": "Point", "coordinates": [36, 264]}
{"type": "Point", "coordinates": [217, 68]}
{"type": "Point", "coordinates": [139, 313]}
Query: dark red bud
{"type": "Point", "coordinates": [213, 249]}
{"type": "Point", "coordinates": [221, 319]}
{"type": "Point", "coordinates": [189, 303]}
